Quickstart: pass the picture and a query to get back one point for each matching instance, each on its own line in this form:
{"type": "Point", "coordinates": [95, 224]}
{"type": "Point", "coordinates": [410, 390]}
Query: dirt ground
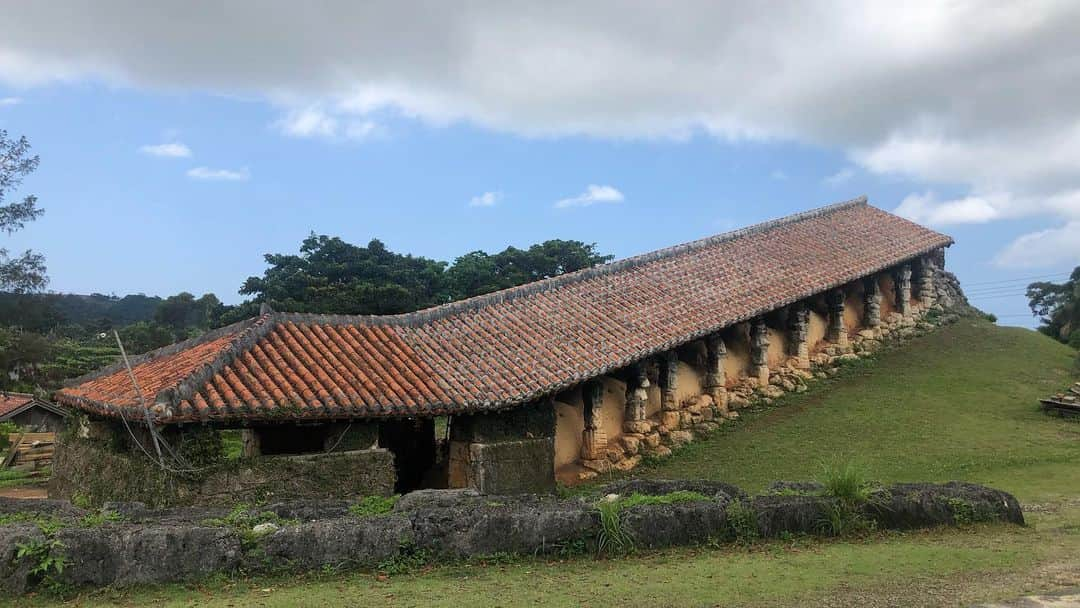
{"type": "Point", "coordinates": [24, 492]}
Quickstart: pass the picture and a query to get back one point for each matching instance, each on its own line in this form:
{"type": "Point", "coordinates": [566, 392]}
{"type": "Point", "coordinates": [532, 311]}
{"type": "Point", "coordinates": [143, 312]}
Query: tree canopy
{"type": "Point", "coordinates": [25, 272]}
{"type": "Point", "coordinates": [332, 276]}
{"type": "Point", "coordinates": [1058, 307]}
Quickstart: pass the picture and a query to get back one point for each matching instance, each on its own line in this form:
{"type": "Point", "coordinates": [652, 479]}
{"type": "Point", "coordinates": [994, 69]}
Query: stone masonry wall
{"type": "Point", "coordinates": [92, 473]}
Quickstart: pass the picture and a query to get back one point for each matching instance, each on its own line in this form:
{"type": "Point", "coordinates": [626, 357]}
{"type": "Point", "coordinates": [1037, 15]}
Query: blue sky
{"type": "Point", "coordinates": [256, 166]}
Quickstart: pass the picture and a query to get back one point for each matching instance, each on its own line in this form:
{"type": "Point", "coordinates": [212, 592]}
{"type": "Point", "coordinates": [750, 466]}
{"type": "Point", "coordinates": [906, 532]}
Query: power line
{"type": "Point", "coordinates": [1045, 276]}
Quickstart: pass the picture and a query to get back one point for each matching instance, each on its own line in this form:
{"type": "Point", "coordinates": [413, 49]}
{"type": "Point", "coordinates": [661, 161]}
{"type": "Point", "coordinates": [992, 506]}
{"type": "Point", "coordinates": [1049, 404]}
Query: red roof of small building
{"type": "Point", "coordinates": [9, 402]}
{"type": "Point", "coordinates": [511, 346]}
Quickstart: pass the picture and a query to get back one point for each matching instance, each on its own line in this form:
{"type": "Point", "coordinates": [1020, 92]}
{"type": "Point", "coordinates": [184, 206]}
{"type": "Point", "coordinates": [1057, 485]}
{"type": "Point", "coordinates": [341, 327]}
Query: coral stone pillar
{"type": "Point", "coordinates": [637, 396]}
{"type": "Point", "coordinates": [669, 379]}
{"type": "Point", "coordinates": [903, 290]}
{"type": "Point", "coordinates": [872, 309]}
{"type": "Point", "coordinates": [593, 438]}
{"type": "Point", "coordinates": [837, 333]}
{"type": "Point", "coordinates": [926, 282]}
{"type": "Point", "coordinates": [759, 350]}
{"type": "Point", "coordinates": [715, 378]}
{"type": "Point", "coordinates": [798, 328]}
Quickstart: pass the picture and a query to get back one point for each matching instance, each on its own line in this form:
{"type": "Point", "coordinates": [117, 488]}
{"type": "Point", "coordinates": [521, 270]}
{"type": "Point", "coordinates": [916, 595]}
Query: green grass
{"type": "Point", "coordinates": [960, 403]}
{"type": "Point", "coordinates": [957, 404]}
{"type": "Point", "coordinates": [374, 505]}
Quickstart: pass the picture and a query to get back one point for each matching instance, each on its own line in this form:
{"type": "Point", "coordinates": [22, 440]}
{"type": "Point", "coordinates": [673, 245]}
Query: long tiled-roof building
{"type": "Point", "coordinates": [570, 369]}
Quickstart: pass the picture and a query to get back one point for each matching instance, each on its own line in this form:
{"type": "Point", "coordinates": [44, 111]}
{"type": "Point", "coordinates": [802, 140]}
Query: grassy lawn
{"type": "Point", "coordinates": [958, 404]}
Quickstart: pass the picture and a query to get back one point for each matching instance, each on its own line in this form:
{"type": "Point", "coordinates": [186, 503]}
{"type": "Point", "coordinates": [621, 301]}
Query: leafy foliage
{"type": "Point", "coordinates": [25, 272]}
{"type": "Point", "coordinates": [332, 276]}
{"type": "Point", "coordinates": [1058, 307]}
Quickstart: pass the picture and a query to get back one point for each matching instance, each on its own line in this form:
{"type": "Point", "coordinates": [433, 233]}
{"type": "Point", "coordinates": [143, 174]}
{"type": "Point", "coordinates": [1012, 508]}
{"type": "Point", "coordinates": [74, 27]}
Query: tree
{"type": "Point", "coordinates": [26, 272]}
{"type": "Point", "coordinates": [478, 273]}
{"type": "Point", "coordinates": [1058, 307]}
{"type": "Point", "coordinates": [333, 276]}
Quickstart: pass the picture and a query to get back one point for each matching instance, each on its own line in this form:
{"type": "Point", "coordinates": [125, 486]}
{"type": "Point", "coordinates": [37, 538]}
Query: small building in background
{"type": "Point", "coordinates": [32, 413]}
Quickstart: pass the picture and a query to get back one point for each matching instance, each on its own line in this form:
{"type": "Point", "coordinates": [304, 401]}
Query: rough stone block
{"type": "Point", "coordinates": [670, 419]}
{"type": "Point", "coordinates": [347, 540]}
{"type": "Point", "coordinates": [505, 467]}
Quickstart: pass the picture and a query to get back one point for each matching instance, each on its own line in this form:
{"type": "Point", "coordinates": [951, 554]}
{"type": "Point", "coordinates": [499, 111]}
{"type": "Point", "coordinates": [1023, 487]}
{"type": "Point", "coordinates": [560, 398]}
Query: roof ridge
{"type": "Point", "coordinates": [164, 351]}
{"type": "Point", "coordinates": [200, 376]}
{"type": "Point", "coordinates": [496, 297]}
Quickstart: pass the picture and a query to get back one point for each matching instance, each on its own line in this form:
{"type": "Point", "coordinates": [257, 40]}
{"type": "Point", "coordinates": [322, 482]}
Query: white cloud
{"type": "Point", "coordinates": [927, 209]}
{"type": "Point", "coordinates": [779, 175]}
{"type": "Point", "coordinates": [316, 122]}
{"type": "Point", "coordinates": [839, 178]}
{"type": "Point", "coordinates": [1043, 248]}
{"type": "Point", "coordinates": [487, 199]}
{"type": "Point", "coordinates": [9, 101]}
{"type": "Point", "coordinates": [977, 95]}
{"type": "Point", "coordinates": [592, 195]}
{"type": "Point", "coordinates": [169, 150]}
{"type": "Point", "coordinates": [206, 173]}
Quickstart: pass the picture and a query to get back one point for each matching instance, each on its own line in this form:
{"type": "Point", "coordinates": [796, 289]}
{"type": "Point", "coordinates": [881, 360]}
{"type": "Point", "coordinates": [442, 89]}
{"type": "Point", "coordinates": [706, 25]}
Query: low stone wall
{"type": "Point", "coordinates": [89, 472]}
{"type": "Point", "coordinates": [134, 545]}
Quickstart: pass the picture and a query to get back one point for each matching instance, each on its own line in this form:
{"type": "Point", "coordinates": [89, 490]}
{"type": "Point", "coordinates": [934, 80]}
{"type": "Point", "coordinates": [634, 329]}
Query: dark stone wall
{"type": "Point", "coordinates": [507, 452]}
{"type": "Point", "coordinates": [91, 472]}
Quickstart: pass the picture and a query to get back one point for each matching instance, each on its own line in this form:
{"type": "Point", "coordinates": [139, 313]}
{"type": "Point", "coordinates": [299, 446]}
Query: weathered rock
{"type": "Point", "coordinates": [679, 438]}
{"type": "Point", "coordinates": [910, 505]}
{"type": "Point", "coordinates": [670, 419]}
{"type": "Point", "coordinates": [15, 575]}
{"type": "Point", "coordinates": [127, 555]}
{"type": "Point", "coordinates": [347, 540]}
{"type": "Point", "coordinates": [791, 514]}
{"type": "Point", "coordinates": [630, 444]}
{"type": "Point", "coordinates": [628, 463]}
{"type": "Point", "coordinates": [797, 487]}
{"type": "Point", "coordinates": [503, 525]}
{"type": "Point", "coordinates": [637, 427]}
{"type": "Point", "coordinates": [660, 451]}
{"type": "Point", "coordinates": [437, 499]}
{"type": "Point", "coordinates": [265, 528]}
{"type": "Point", "coordinates": [680, 523]}
{"type": "Point", "coordinates": [55, 508]}
{"type": "Point", "coordinates": [651, 440]}
{"type": "Point", "coordinates": [309, 509]}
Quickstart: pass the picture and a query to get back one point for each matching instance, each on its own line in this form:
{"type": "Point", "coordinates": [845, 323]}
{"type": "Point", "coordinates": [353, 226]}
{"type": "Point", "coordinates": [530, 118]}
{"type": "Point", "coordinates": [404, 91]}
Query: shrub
{"type": "Point", "coordinates": [612, 539]}
{"type": "Point", "coordinates": [743, 522]}
{"type": "Point", "coordinates": [7, 428]}
{"type": "Point", "coordinates": [847, 482]}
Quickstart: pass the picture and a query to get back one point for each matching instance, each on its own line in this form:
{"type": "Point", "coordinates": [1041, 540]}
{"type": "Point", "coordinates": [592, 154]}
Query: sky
{"type": "Point", "coordinates": [180, 142]}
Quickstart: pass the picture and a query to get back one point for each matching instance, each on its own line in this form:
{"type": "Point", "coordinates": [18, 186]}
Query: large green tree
{"type": "Point", "coordinates": [478, 272]}
{"type": "Point", "coordinates": [1058, 307]}
{"type": "Point", "coordinates": [332, 276]}
{"type": "Point", "coordinates": [22, 273]}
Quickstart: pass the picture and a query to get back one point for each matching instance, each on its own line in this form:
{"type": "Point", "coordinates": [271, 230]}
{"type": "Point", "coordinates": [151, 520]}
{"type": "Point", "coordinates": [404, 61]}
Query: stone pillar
{"type": "Point", "coordinates": [249, 442]}
{"type": "Point", "coordinates": [504, 452]}
{"type": "Point", "coordinates": [837, 333]}
{"type": "Point", "coordinates": [759, 351]}
{"type": "Point", "coordinates": [872, 295]}
{"type": "Point", "coordinates": [669, 379]}
{"type": "Point", "coordinates": [637, 396]}
{"type": "Point", "coordinates": [715, 378]}
{"type": "Point", "coordinates": [903, 290]}
{"type": "Point", "coordinates": [926, 282]}
{"type": "Point", "coordinates": [593, 438]}
{"type": "Point", "coordinates": [798, 328]}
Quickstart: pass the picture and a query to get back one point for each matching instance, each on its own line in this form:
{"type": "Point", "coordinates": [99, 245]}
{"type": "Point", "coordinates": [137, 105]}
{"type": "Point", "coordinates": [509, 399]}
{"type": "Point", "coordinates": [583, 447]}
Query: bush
{"type": "Point", "coordinates": [847, 482]}
{"type": "Point", "coordinates": [7, 428]}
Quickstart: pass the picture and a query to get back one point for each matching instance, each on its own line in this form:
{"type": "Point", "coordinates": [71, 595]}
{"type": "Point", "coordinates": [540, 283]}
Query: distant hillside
{"type": "Point", "coordinates": [41, 312]}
